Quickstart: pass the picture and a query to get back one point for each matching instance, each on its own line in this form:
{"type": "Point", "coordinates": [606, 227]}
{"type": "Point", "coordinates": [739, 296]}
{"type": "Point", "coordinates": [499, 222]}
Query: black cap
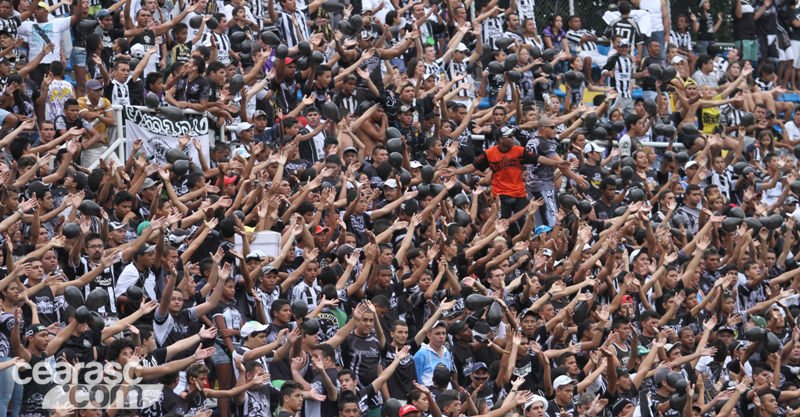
{"type": "Point", "coordinates": [35, 328]}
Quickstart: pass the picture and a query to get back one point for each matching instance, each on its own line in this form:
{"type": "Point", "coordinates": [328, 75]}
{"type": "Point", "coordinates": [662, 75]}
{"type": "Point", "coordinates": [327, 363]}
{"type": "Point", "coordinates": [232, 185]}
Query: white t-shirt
{"type": "Point", "coordinates": [52, 30]}
{"type": "Point", "coordinates": [130, 276]}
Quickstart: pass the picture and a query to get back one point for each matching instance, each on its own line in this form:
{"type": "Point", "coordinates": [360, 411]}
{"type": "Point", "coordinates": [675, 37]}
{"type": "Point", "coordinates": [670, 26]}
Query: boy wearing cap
{"type": "Point", "coordinates": [40, 348]}
{"type": "Point", "coordinates": [432, 353]}
{"type": "Point", "coordinates": [36, 31]}
{"type": "Point", "coordinates": [93, 107]}
{"type": "Point", "coordinates": [456, 59]}
{"type": "Point", "coordinates": [591, 168]}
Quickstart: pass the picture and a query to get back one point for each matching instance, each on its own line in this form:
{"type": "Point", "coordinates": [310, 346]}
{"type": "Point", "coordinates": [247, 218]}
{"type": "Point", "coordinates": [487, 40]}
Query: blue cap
{"type": "Point", "coordinates": [542, 229]}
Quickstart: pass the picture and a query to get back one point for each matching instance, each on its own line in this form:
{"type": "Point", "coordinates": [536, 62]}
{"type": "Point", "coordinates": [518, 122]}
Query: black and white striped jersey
{"type": "Point", "coordinates": [61, 11]}
{"type": "Point", "coordinates": [525, 10]}
{"type": "Point", "coordinates": [290, 32]}
{"type": "Point", "coordinates": [623, 73]}
{"type": "Point", "coordinates": [223, 45]}
{"type": "Point", "coordinates": [574, 41]}
{"type": "Point", "coordinates": [626, 28]}
{"type": "Point", "coordinates": [731, 116]}
{"type": "Point", "coordinates": [434, 69]}
{"type": "Point", "coordinates": [765, 85]}
{"type": "Point", "coordinates": [513, 35]}
{"type": "Point", "coordinates": [10, 25]}
{"type": "Point", "coordinates": [453, 69]}
{"type": "Point", "coordinates": [259, 9]}
{"type": "Point", "coordinates": [682, 40]}
{"type": "Point", "coordinates": [492, 29]}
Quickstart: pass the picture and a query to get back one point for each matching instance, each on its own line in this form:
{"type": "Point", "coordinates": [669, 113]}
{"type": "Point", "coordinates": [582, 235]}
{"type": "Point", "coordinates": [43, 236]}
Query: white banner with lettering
{"type": "Point", "coordinates": [160, 135]}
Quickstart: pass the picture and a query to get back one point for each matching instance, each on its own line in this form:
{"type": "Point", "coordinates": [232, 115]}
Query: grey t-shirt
{"type": "Point", "coordinates": [541, 177]}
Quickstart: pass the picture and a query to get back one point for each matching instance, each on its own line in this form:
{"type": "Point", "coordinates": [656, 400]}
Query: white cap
{"type": "Point", "coordinates": [677, 59]}
{"type": "Point", "coordinates": [592, 147]}
{"type": "Point", "coordinates": [392, 183]}
{"type": "Point", "coordinates": [255, 254]}
{"type": "Point", "coordinates": [244, 126]}
{"type": "Point", "coordinates": [536, 399]}
{"type": "Point", "coordinates": [416, 164]}
{"type": "Point", "coordinates": [461, 47]}
{"type": "Point", "coordinates": [137, 51]}
{"type": "Point", "coordinates": [586, 246]}
{"type": "Point", "coordinates": [561, 381]}
{"type": "Point", "coordinates": [690, 164]}
{"type": "Point", "coordinates": [252, 327]}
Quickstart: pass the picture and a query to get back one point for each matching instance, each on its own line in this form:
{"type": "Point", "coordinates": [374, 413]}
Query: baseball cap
{"type": "Point", "coordinates": [93, 85]}
{"type": "Point", "coordinates": [416, 164]}
{"type": "Point", "coordinates": [621, 370]}
{"type": "Point", "coordinates": [259, 113]}
{"type": "Point", "coordinates": [350, 149]}
{"type": "Point", "coordinates": [627, 299]}
{"type": "Point", "coordinates": [427, 75]}
{"type": "Point", "coordinates": [637, 252]}
{"type": "Point", "coordinates": [147, 248]}
{"type": "Point", "coordinates": [587, 246]}
{"type": "Point", "coordinates": [256, 254]}
{"type": "Point", "coordinates": [115, 225]}
{"type": "Point", "coordinates": [178, 235]}
{"type": "Point", "coordinates": [4, 32]}
{"type": "Point", "coordinates": [408, 408]}
{"type": "Point", "coordinates": [536, 399]}
{"type": "Point", "coordinates": [137, 51]}
{"type": "Point", "coordinates": [440, 323]}
{"type": "Point", "coordinates": [507, 131]}
{"type": "Point", "coordinates": [230, 180]}
{"type": "Point", "coordinates": [737, 344]}
{"type": "Point", "coordinates": [244, 126]}
{"type": "Point", "coordinates": [251, 327]}
{"type": "Point", "coordinates": [321, 229]}
{"type": "Point", "coordinates": [367, 34]}
{"type": "Point", "coordinates": [391, 183]}
{"type": "Point", "coordinates": [457, 327]}
{"type": "Point", "coordinates": [148, 182]}
{"type": "Point", "coordinates": [43, 5]}
{"type": "Point", "coordinates": [35, 328]}
{"type": "Point", "coordinates": [591, 147]}
{"type": "Point", "coordinates": [479, 365]}
{"type": "Point", "coordinates": [102, 13]}
{"type": "Point", "coordinates": [623, 42]}
{"type": "Point", "coordinates": [677, 59]}
{"type": "Point", "coordinates": [620, 405]}
{"type": "Point", "coordinates": [267, 269]}
{"type": "Point", "coordinates": [561, 381]}
{"type": "Point", "coordinates": [790, 200]}
{"type": "Point", "coordinates": [726, 328]}
{"type": "Point", "coordinates": [462, 48]}
{"type": "Point", "coordinates": [661, 375]}
{"type": "Point", "coordinates": [670, 346]}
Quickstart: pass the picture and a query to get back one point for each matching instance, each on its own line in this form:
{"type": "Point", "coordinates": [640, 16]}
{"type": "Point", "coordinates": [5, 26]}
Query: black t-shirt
{"type": "Point", "coordinates": [33, 394]}
{"type": "Point", "coordinates": [594, 176]}
{"type": "Point", "coordinates": [286, 92]}
{"type": "Point", "coordinates": [193, 91]}
{"type": "Point", "coordinates": [168, 402]}
{"type": "Point", "coordinates": [464, 358]}
{"type": "Point", "coordinates": [744, 28]}
{"type": "Point", "coordinates": [402, 380]}
{"type": "Point", "coordinates": [604, 211]}
{"type": "Point", "coordinates": [648, 83]}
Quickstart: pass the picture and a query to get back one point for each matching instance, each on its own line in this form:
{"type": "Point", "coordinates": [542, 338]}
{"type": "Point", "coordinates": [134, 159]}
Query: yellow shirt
{"type": "Point", "coordinates": [101, 108]}
{"type": "Point", "coordinates": [710, 116]}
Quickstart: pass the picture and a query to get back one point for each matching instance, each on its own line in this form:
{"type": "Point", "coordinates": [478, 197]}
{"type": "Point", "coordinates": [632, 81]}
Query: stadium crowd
{"type": "Point", "coordinates": [413, 209]}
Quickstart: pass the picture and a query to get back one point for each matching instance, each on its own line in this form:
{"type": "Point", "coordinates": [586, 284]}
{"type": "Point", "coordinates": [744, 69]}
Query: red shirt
{"type": "Point", "coordinates": [507, 168]}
